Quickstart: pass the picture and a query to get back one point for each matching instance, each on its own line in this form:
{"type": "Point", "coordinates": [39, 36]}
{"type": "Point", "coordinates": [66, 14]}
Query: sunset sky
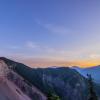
{"type": "Point", "coordinates": [51, 32]}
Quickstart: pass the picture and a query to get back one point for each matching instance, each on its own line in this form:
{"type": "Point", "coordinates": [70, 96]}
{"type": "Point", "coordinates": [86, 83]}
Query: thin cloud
{"type": "Point", "coordinates": [14, 47]}
{"type": "Point", "coordinates": [31, 45]}
{"type": "Point", "coordinates": [95, 56]}
{"type": "Point", "coordinates": [58, 29]}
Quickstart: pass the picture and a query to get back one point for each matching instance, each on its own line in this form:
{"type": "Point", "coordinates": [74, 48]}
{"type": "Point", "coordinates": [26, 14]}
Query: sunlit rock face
{"type": "Point", "coordinates": [26, 87]}
{"type": "Point", "coordinates": [7, 73]}
{"type": "Point", "coordinates": [3, 69]}
{"type": "Point", "coordinates": [7, 88]}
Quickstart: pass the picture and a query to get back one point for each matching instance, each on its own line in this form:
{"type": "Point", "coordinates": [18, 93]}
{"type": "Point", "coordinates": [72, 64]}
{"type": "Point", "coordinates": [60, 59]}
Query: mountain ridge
{"type": "Point", "coordinates": [66, 82]}
{"type": "Point", "coordinates": [56, 80]}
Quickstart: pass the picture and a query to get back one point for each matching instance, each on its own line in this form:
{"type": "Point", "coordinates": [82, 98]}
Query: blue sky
{"type": "Point", "coordinates": [50, 31]}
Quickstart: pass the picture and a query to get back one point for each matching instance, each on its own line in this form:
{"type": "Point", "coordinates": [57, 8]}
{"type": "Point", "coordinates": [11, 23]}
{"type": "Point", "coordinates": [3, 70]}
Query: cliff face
{"type": "Point", "coordinates": [18, 83]}
{"type": "Point", "coordinates": [65, 82]}
{"type": "Point", "coordinates": [8, 90]}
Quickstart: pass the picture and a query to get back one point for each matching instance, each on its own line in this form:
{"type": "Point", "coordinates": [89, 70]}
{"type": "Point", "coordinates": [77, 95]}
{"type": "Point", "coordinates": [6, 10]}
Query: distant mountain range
{"type": "Point", "coordinates": [94, 71]}
{"type": "Point", "coordinates": [67, 83]}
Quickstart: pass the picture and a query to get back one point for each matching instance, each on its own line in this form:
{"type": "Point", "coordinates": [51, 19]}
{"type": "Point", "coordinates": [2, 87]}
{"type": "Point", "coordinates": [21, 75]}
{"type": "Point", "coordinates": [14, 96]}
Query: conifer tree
{"type": "Point", "coordinates": [53, 97]}
{"type": "Point", "coordinates": [92, 94]}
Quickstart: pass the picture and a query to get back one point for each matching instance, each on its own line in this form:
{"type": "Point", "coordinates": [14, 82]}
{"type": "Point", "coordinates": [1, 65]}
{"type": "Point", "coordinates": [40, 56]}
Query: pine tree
{"type": "Point", "coordinates": [92, 94]}
{"type": "Point", "coordinates": [53, 97]}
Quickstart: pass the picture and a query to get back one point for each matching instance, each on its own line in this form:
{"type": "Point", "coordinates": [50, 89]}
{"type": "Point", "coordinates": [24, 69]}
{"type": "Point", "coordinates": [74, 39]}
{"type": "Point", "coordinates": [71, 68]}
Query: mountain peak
{"type": "Point", "coordinates": [3, 58]}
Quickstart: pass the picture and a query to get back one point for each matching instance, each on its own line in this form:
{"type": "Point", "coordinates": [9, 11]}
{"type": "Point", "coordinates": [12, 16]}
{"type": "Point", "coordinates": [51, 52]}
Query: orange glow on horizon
{"type": "Point", "coordinates": [47, 63]}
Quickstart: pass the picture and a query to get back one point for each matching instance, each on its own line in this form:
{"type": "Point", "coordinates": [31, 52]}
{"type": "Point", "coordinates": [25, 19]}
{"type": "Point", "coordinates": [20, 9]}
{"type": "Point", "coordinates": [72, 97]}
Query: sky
{"type": "Point", "coordinates": [51, 32]}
